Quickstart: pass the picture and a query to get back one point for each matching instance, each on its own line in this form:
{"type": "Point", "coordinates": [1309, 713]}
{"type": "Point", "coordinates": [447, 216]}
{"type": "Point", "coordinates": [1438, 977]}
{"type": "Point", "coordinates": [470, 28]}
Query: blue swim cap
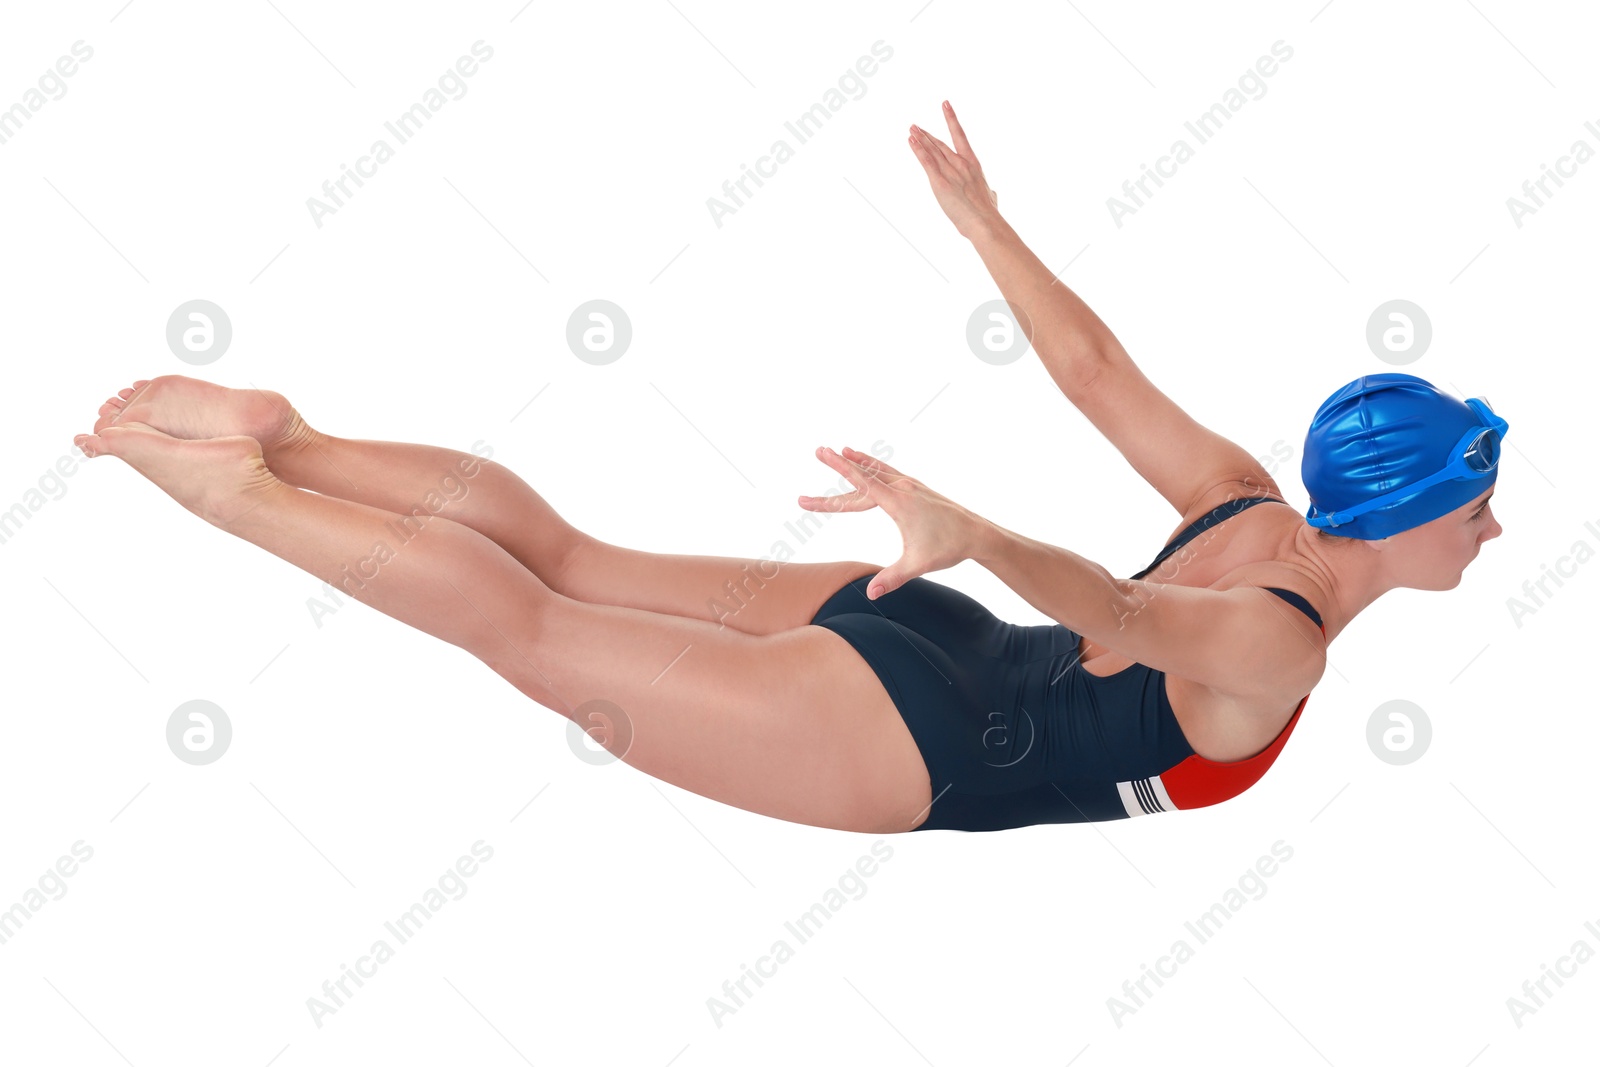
{"type": "Point", "coordinates": [1379, 434]}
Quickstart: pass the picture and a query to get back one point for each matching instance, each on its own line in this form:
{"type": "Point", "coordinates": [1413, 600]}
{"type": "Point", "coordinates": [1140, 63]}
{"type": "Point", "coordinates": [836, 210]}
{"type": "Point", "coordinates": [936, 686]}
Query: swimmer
{"type": "Point", "coordinates": [867, 698]}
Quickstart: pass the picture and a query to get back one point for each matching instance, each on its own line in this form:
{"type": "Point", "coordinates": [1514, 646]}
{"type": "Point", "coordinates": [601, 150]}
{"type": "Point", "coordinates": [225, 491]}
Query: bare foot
{"type": "Point", "coordinates": [194, 410]}
{"type": "Point", "coordinates": [218, 479]}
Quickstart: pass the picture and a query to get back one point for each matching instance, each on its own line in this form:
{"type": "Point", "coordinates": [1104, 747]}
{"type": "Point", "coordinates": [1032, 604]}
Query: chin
{"type": "Point", "coordinates": [1440, 584]}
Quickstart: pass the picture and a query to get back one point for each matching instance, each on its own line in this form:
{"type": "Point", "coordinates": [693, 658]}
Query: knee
{"type": "Point", "coordinates": [575, 553]}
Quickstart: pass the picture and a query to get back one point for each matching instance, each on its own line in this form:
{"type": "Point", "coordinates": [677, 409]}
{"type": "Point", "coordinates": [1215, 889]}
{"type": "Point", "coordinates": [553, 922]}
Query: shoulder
{"type": "Point", "coordinates": [1229, 492]}
{"type": "Point", "coordinates": [1242, 642]}
{"type": "Point", "coordinates": [1248, 487]}
{"type": "Point", "coordinates": [1181, 458]}
{"type": "Point", "coordinates": [1238, 640]}
{"type": "Point", "coordinates": [1280, 653]}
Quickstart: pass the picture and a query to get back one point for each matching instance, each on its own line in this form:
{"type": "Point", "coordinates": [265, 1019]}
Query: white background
{"type": "Point", "coordinates": [830, 309]}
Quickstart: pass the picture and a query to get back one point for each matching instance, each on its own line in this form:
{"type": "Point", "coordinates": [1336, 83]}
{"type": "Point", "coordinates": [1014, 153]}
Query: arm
{"type": "Point", "coordinates": [1235, 641]}
{"type": "Point", "coordinates": [1239, 642]}
{"type": "Point", "coordinates": [1070, 339]}
{"type": "Point", "coordinates": [1181, 459]}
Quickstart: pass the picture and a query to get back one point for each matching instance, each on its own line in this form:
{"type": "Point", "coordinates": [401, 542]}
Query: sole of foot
{"type": "Point", "coordinates": [220, 479]}
{"type": "Point", "coordinates": [192, 410]}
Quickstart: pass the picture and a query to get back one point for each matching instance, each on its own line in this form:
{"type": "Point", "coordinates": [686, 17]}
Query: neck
{"type": "Point", "coordinates": [1351, 574]}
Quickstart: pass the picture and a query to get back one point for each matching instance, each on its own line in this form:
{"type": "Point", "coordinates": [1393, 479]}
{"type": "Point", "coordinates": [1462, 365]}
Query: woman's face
{"type": "Point", "coordinates": [1438, 552]}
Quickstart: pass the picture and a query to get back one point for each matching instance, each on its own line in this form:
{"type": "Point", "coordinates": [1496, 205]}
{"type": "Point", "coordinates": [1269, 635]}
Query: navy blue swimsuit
{"type": "Point", "coordinates": [1013, 730]}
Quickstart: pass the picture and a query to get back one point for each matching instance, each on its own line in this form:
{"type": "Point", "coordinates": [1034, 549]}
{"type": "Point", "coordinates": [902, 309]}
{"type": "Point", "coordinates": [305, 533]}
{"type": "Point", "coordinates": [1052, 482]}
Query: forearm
{"type": "Point", "coordinates": [1068, 336]}
{"type": "Point", "coordinates": [1076, 592]}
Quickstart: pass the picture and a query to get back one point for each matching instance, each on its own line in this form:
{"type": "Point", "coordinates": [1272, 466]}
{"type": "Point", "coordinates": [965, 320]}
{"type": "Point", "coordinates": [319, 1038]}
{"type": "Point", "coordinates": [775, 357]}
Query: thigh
{"type": "Point", "coordinates": [753, 596]}
{"type": "Point", "coordinates": [792, 725]}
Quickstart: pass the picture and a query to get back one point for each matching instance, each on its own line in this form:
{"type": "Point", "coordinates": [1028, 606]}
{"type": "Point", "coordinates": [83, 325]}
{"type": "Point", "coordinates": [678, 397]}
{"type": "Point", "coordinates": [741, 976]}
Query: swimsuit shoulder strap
{"type": "Point", "coordinates": [1222, 511]}
{"type": "Point", "coordinates": [1300, 602]}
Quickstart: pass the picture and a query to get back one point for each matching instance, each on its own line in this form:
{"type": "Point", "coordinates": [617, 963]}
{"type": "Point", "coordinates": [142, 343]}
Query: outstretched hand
{"type": "Point", "coordinates": [956, 177]}
{"type": "Point", "coordinates": [936, 531]}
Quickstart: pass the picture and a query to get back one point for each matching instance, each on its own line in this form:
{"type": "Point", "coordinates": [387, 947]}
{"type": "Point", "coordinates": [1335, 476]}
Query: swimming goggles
{"type": "Point", "coordinates": [1477, 454]}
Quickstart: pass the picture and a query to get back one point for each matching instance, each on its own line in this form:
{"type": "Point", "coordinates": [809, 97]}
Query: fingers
{"type": "Point", "coordinates": [840, 464]}
{"type": "Point", "coordinates": [870, 464]}
{"type": "Point", "coordinates": [859, 500]}
{"type": "Point", "coordinates": [883, 583]}
{"type": "Point", "coordinates": [858, 466]}
{"type": "Point", "coordinates": [932, 163]}
{"type": "Point", "coordinates": [950, 153]}
{"type": "Point", "coordinates": [855, 500]}
{"type": "Point", "coordinates": [957, 134]}
{"type": "Point", "coordinates": [921, 151]}
{"type": "Point", "coordinates": [941, 151]}
{"type": "Point", "coordinates": [875, 469]}
{"type": "Point", "coordinates": [890, 578]}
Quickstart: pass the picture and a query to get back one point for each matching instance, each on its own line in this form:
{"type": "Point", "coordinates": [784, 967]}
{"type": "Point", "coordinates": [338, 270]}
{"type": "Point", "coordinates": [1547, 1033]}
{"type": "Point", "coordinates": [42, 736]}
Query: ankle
{"type": "Point", "coordinates": [241, 483]}
{"type": "Point", "coordinates": [296, 437]}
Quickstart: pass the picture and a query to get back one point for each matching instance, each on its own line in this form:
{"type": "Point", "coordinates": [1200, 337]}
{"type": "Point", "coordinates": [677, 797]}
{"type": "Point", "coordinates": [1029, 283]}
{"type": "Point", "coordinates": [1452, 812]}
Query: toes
{"type": "Point", "coordinates": [112, 409]}
{"type": "Point", "coordinates": [94, 444]}
{"type": "Point", "coordinates": [103, 441]}
{"type": "Point", "coordinates": [118, 406]}
{"type": "Point", "coordinates": [109, 441]}
{"type": "Point", "coordinates": [138, 429]}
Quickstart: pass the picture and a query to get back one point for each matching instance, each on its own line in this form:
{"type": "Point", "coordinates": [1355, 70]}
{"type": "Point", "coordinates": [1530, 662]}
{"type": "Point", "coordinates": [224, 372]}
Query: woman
{"type": "Point", "coordinates": [872, 699]}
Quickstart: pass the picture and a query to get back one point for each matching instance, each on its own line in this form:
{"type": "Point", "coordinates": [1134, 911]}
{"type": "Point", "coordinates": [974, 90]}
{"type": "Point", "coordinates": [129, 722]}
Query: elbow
{"type": "Point", "coordinates": [1128, 599]}
{"type": "Point", "coordinates": [1090, 363]}
{"type": "Point", "coordinates": [1089, 371]}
